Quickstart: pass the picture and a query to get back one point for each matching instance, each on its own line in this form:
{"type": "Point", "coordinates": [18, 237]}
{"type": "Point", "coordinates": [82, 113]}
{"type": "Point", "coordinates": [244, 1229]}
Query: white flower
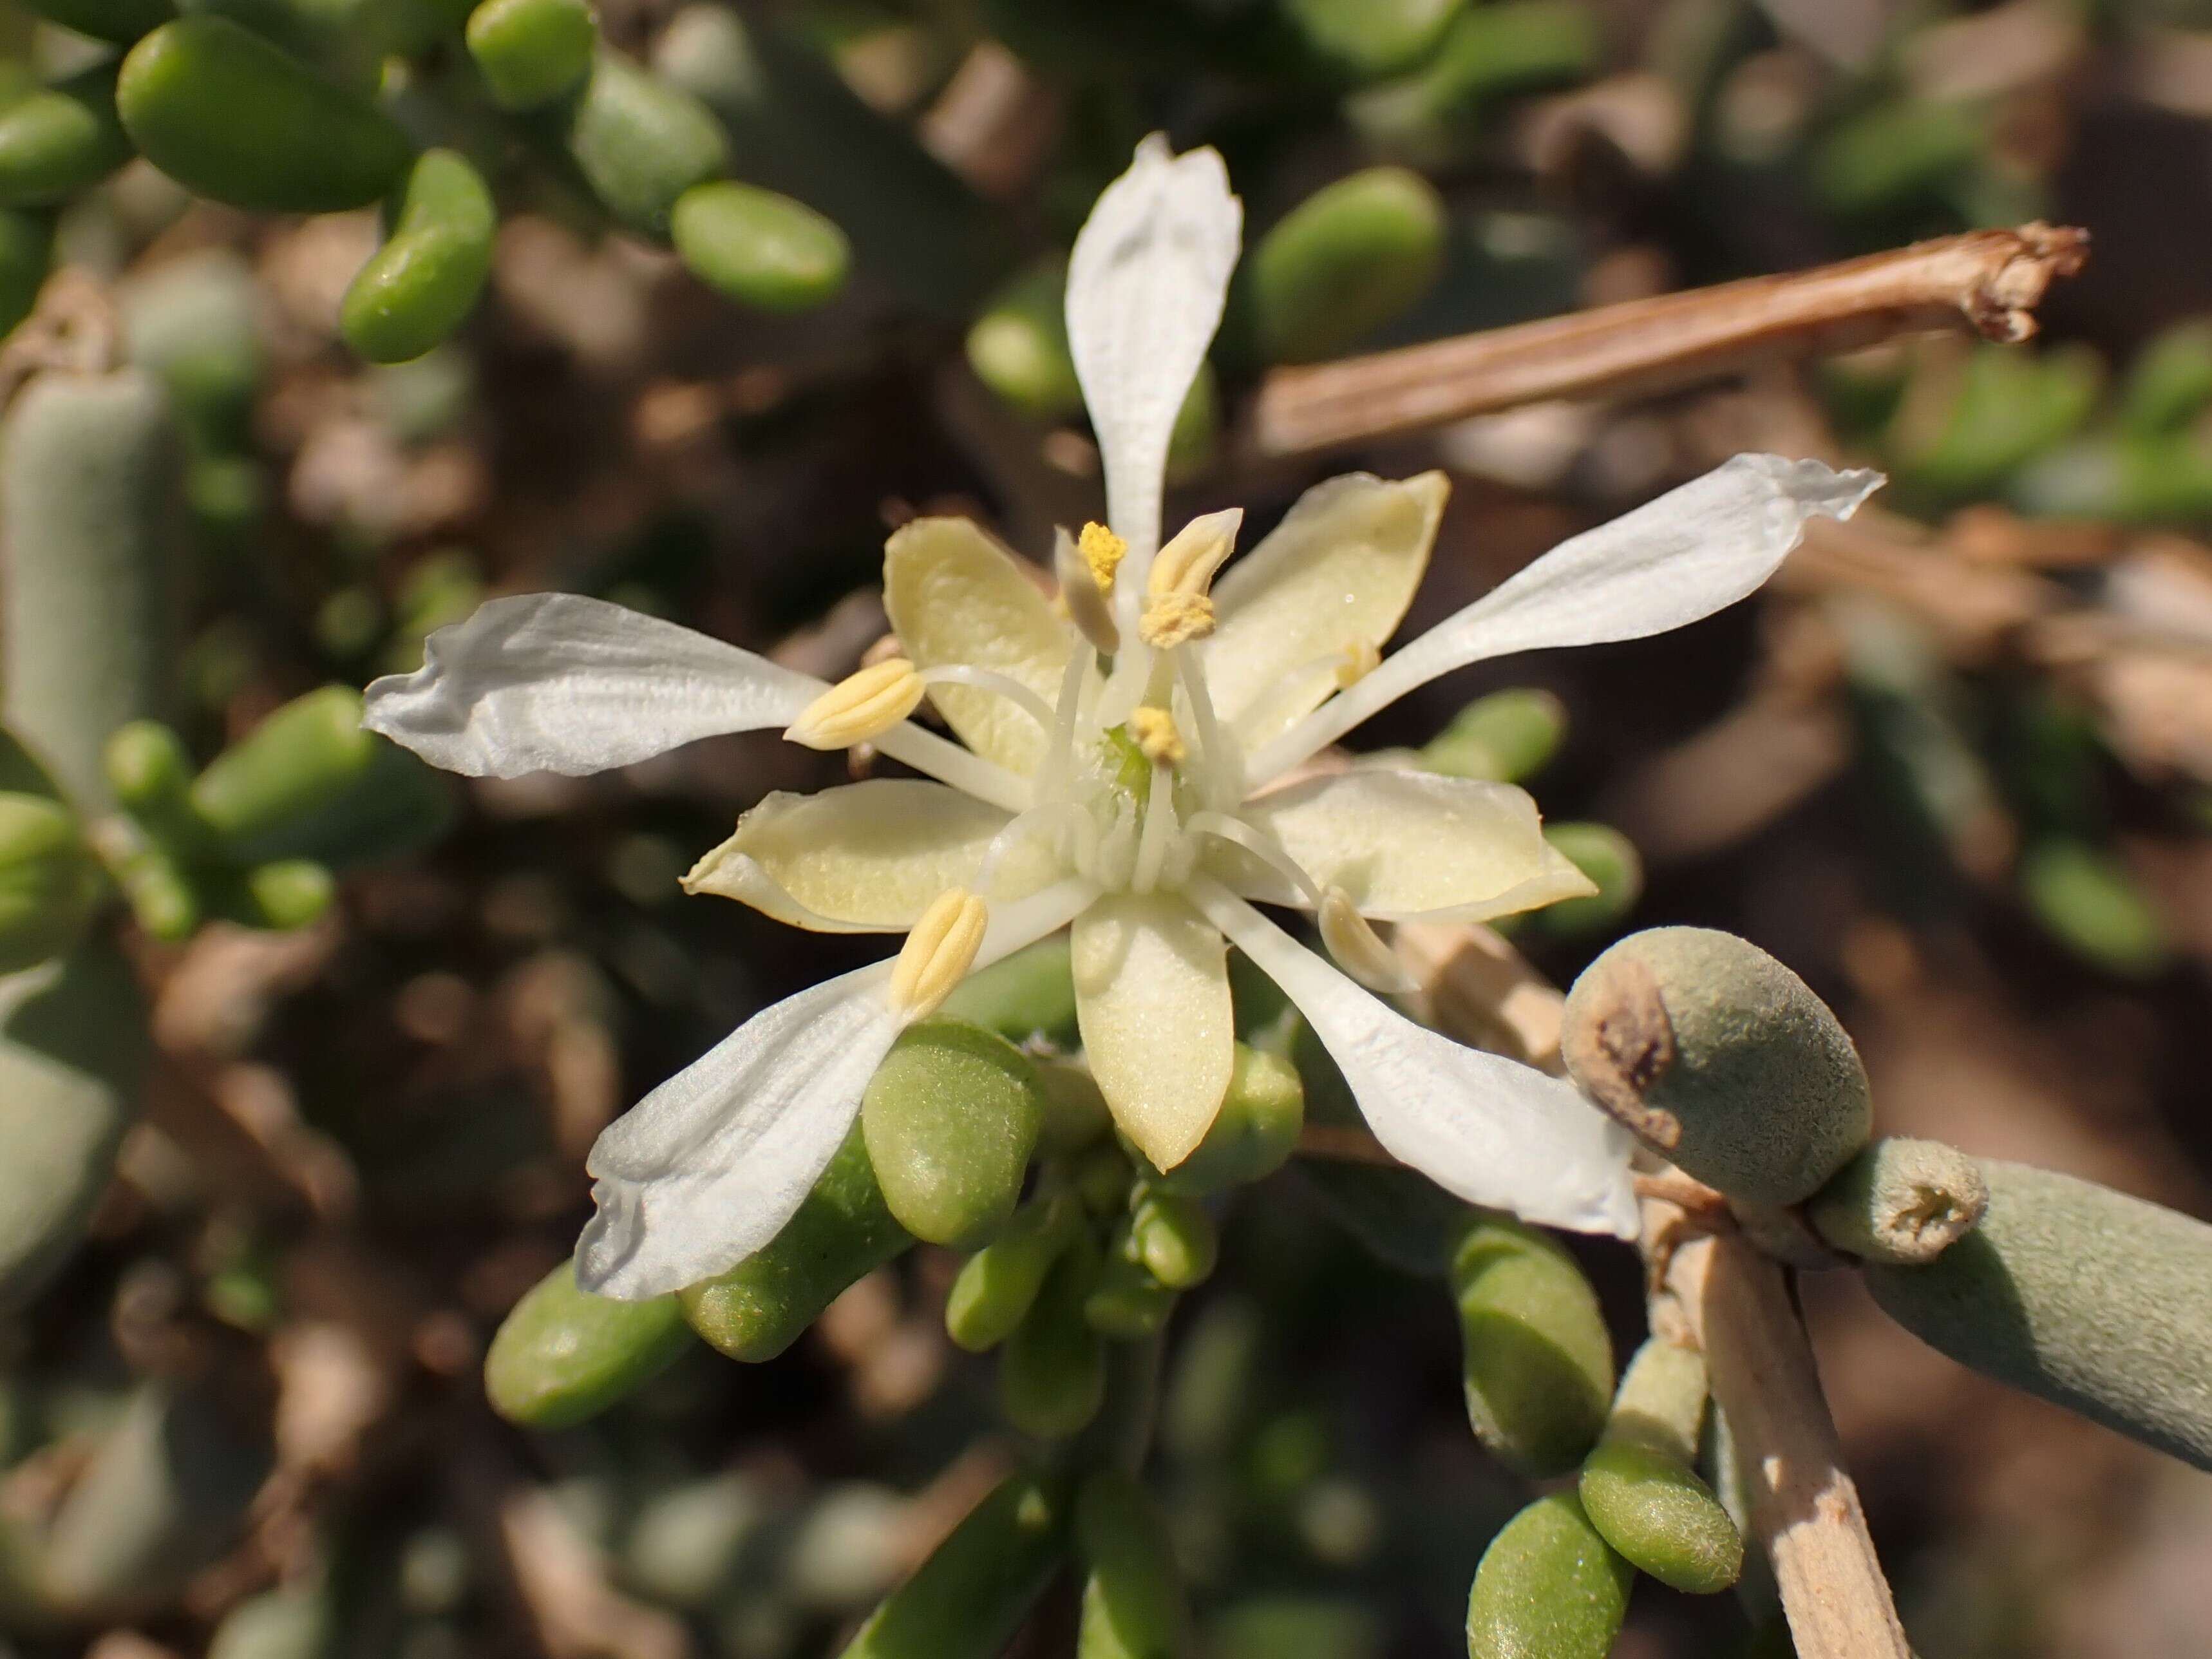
{"type": "Point", "coordinates": [1124, 767]}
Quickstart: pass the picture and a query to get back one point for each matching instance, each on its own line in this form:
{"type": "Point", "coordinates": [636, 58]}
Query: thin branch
{"type": "Point", "coordinates": [1988, 281]}
{"type": "Point", "coordinates": [1805, 1512]}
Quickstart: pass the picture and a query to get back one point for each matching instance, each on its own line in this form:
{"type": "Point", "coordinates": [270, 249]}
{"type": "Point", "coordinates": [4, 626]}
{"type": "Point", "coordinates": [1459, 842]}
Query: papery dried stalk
{"type": "Point", "coordinates": [1988, 281]}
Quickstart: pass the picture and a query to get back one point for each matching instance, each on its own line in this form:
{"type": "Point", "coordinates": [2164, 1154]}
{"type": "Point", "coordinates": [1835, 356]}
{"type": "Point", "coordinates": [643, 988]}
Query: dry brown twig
{"type": "Point", "coordinates": [1988, 281]}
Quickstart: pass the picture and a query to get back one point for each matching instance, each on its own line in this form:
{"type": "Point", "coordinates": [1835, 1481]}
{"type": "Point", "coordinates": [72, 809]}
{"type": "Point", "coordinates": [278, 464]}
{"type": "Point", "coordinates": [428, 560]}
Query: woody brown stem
{"type": "Point", "coordinates": [1988, 281]}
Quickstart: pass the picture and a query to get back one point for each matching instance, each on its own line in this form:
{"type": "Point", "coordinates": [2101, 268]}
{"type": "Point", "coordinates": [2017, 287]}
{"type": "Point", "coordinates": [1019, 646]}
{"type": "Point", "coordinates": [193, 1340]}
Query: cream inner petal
{"type": "Point", "coordinates": [956, 597]}
{"type": "Point", "coordinates": [1151, 997]}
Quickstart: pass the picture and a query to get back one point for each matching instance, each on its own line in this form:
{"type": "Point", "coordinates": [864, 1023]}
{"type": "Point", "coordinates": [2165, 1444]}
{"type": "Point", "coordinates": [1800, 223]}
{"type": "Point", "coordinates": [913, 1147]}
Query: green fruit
{"type": "Point", "coordinates": [952, 1116]}
{"type": "Point", "coordinates": [997, 1284]}
{"type": "Point", "coordinates": [421, 284]}
{"type": "Point", "coordinates": [1549, 1587]}
{"type": "Point", "coordinates": [310, 781]}
{"type": "Point", "coordinates": [27, 255]}
{"type": "Point", "coordinates": [1652, 1508]}
{"type": "Point", "coordinates": [1538, 1363]}
{"type": "Point", "coordinates": [2077, 1294]}
{"type": "Point", "coordinates": [758, 248]}
{"type": "Point", "coordinates": [73, 1056]}
{"type": "Point", "coordinates": [1721, 1058]}
{"type": "Point", "coordinates": [533, 51]}
{"type": "Point", "coordinates": [842, 1231]}
{"type": "Point", "coordinates": [236, 120]}
{"type": "Point", "coordinates": [640, 142]}
{"type": "Point", "coordinates": [1351, 257]}
{"type": "Point", "coordinates": [1504, 737]}
{"type": "Point", "coordinates": [119, 21]}
{"type": "Point", "coordinates": [969, 1598]}
{"type": "Point", "coordinates": [49, 881]}
{"type": "Point", "coordinates": [1253, 1135]}
{"type": "Point", "coordinates": [1051, 1370]}
{"type": "Point", "coordinates": [563, 1354]}
{"type": "Point", "coordinates": [91, 516]}
{"type": "Point", "coordinates": [60, 142]}
{"type": "Point", "coordinates": [1133, 1605]}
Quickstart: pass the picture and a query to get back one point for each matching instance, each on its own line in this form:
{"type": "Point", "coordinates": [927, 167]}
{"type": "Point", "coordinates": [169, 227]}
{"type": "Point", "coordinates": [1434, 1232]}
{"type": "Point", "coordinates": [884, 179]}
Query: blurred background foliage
{"type": "Point", "coordinates": [1956, 768]}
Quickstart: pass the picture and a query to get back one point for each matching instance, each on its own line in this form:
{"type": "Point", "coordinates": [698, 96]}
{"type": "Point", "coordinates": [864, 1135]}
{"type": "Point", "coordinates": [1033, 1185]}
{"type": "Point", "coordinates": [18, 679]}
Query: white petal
{"type": "Point", "coordinates": [1671, 561]}
{"type": "Point", "coordinates": [709, 1167]}
{"type": "Point", "coordinates": [1151, 997]}
{"type": "Point", "coordinates": [1489, 1129]}
{"type": "Point", "coordinates": [1407, 844]}
{"type": "Point", "coordinates": [1333, 577]}
{"type": "Point", "coordinates": [558, 682]}
{"type": "Point", "coordinates": [865, 857]}
{"type": "Point", "coordinates": [1145, 282]}
{"type": "Point", "coordinates": [956, 597]}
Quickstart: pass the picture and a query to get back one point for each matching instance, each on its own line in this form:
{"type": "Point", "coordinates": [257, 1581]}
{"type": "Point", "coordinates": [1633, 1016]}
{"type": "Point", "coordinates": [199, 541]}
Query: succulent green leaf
{"type": "Point", "coordinates": [1051, 1370]}
{"type": "Point", "coordinates": [951, 1117]}
{"type": "Point", "coordinates": [1537, 1361]}
{"type": "Point", "coordinates": [50, 881]}
{"type": "Point", "coordinates": [421, 284]}
{"type": "Point", "coordinates": [968, 1600]}
{"type": "Point", "coordinates": [61, 140]}
{"type": "Point", "coordinates": [758, 248]}
{"type": "Point", "coordinates": [1348, 259]}
{"type": "Point", "coordinates": [533, 51]}
{"type": "Point", "coordinates": [563, 1355]}
{"type": "Point", "coordinates": [1549, 1587]}
{"type": "Point", "coordinates": [1133, 1604]}
{"type": "Point", "coordinates": [997, 1285]}
{"type": "Point", "coordinates": [640, 142]}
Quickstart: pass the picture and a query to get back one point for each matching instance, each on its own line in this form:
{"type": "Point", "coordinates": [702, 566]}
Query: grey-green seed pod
{"type": "Point", "coordinates": [73, 1055]}
{"type": "Point", "coordinates": [91, 522]}
{"type": "Point", "coordinates": [2080, 1295]}
{"type": "Point", "coordinates": [61, 140]}
{"type": "Point", "coordinates": [969, 1598]}
{"type": "Point", "coordinates": [758, 248]}
{"type": "Point", "coordinates": [49, 881]}
{"type": "Point", "coordinates": [844, 1230]}
{"type": "Point", "coordinates": [533, 51]}
{"type": "Point", "coordinates": [1538, 1363]}
{"type": "Point", "coordinates": [1352, 256]}
{"type": "Point", "coordinates": [163, 1495]}
{"type": "Point", "coordinates": [563, 1354]}
{"type": "Point", "coordinates": [1901, 1202]}
{"type": "Point", "coordinates": [640, 142]}
{"type": "Point", "coordinates": [997, 1285]}
{"type": "Point", "coordinates": [1549, 1587]}
{"type": "Point", "coordinates": [1721, 1058]}
{"type": "Point", "coordinates": [1253, 1135]}
{"type": "Point", "coordinates": [1133, 1605]}
{"type": "Point", "coordinates": [1051, 1370]}
{"type": "Point", "coordinates": [1504, 737]}
{"type": "Point", "coordinates": [952, 1116]}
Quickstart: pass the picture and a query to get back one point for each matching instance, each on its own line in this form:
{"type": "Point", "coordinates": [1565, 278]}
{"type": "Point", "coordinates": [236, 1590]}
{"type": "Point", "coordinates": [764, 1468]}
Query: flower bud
{"type": "Point", "coordinates": [996, 1286]}
{"type": "Point", "coordinates": [563, 1354]}
{"type": "Point", "coordinates": [1549, 1585]}
{"type": "Point", "coordinates": [842, 1230]}
{"type": "Point", "coordinates": [1900, 1202]}
{"type": "Point", "coordinates": [936, 953]}
{"type": "Point", "coordinates": [1133, 1605]}
{"type": "Point", "coordinates": [1051, 1370]}
{"type": "Point", "coordinates": [951, 1118]}
{"type": "Point", "coordinates": [49, 880]}
{"type": "Point", "coordinates": [421, 284]}
{"type": "Point", "coordinates": [1538, 1363]}
{"type": "Point", "coordinates": [757, 248]}
{"type": "Point", "coordinates": [235, 120]}
{"type": "Point", "coordinates": [1253, 1135]}
{"type": "Point", "coordinates": [1349, 259]}
{"type": "Point", "coordinates": [533, 51]}
{"type": "Point", "coordinates": [859, 706]}
{"type": "Point", "coordinates": [969, 1598]}
{"type": "Point", "coordinates": [2079, 1295]}
{"type": "Point", "coordinates": [1719, 1058]}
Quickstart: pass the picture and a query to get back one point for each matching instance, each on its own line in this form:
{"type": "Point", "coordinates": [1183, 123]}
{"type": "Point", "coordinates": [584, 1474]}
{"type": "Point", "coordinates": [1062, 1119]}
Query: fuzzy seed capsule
{"type": "Point", "coordinates": [1901, 1202]}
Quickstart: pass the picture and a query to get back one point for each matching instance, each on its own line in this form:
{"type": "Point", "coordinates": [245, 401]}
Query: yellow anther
{"type": "Point", "coordinates": [1358, 950]}
{"type": "Point", "coordinates": [1154, 729]}
{"type": "Point", "coordinates": [1103, 552]}
{"type": "Point", "coordinates": [1355, 662]}
{"type": "Point", "coordinates": [1186, 565]}
{"type": "Point", "coordinates": [939, 952]}
{"type": "Point", "coordinates": [859, 706]}
{"type": "Point", "coordinates": [1080, 595]}
{"type": "Point", "coordinates": [1174, 619]}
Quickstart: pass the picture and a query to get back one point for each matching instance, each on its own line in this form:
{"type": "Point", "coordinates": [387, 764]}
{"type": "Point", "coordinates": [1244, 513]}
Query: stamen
{"type": "Point", "coordinates": [859, 706]}
{"type": "Point", "coordinates": [988, 680]}
{"type": "Point", "coordinates": [1174, 619]}
{"type": "Point", "coordinates": [1079, 591]}
{"type": "Point", "coordinates": [1178, 606]}
{"type": "Point", "coordinates": [1154, 729]}
{"type": "Point", "coordinates": [1059, 752]}
{"type": "Point", "coordinates": [1219, 774]}
{"type": "Point", "coordinates": [1103, 552]}
{"type": "Point", "coordinates": [1358, 950]}
{"type": "Point", "coordinates": [1026, 824]}
{"type": "Point", "coordinates": [937, 953]}
{"type": "Point", "coordinates": [1158, 832]}
{"type": "Point", "coordinates": [1355, 662]}
{"type": "Point", "coordinates": [1223, 826]}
